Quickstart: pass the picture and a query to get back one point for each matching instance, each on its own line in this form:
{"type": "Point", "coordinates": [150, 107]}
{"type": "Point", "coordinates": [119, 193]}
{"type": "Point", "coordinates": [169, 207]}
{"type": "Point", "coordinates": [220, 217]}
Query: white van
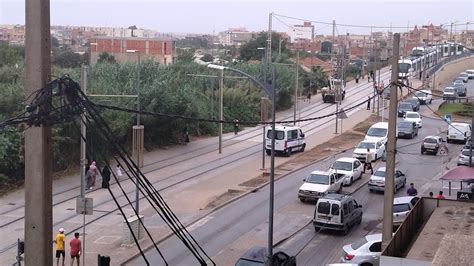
{"type": "Point", "coordinates": [287, 140]}
{"type": "Point", "coordinates": [458, 132]}
{"type": "Point", "coordinates": [378, 132]}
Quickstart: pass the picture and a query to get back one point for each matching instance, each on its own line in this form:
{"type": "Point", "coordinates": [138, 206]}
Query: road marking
{"type": "Point", "coordinates": [200, 223]}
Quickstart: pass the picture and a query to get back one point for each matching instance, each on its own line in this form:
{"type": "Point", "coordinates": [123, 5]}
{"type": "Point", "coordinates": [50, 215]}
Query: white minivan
{"type": "Point", "coordinates": [378, 132]}
{"type": "Point", "coordinates": [458, 132]}
{"type": "Point", "coordinates": [287, 140]}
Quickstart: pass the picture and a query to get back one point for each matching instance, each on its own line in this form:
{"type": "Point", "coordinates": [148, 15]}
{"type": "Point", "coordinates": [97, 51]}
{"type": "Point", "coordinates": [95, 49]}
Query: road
{"type": "Point", "coordinates": [228, 232]}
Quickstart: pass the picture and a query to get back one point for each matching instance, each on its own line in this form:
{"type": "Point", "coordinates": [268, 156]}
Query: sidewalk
{"type": "Point", "coordinates": [104, 236]}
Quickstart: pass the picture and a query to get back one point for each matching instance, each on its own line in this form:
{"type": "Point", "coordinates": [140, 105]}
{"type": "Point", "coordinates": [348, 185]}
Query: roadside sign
{"type": "Point", "coordinates": [448, 117]}
{"type": "Point", "coordinates": [84, 206]}
{"type": "Point", "coordinates": [443, 150]}
{"type": "Point", "coordinates": [341, 114]}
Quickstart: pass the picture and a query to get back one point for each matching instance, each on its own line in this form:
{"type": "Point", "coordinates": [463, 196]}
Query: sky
{"type": "Point", "coordinates": [206, 17]}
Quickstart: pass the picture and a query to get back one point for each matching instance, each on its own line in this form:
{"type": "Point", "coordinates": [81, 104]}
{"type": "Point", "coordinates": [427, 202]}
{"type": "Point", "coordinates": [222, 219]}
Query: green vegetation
{"type": "Point", "coordinates": [463, 109]}
{"type": "Point", "coordinates": [251, 51]}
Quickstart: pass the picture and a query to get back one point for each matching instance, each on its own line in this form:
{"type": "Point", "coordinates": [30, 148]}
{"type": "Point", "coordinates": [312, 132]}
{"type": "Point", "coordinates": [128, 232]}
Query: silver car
{"type": "Point", "coordinates": [464, 157]}
{"type": "Point", "coordinates": [366, 250]}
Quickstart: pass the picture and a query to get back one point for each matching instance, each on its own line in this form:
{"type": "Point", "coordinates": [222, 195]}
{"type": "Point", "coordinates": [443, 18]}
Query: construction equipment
{"type": "Point", "coordinates": [335, 93]}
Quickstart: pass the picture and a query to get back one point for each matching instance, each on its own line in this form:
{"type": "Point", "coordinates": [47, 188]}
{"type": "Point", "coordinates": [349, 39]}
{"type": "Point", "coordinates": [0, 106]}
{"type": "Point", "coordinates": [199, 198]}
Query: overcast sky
{"type": "Point", "coordinates": [188, 16]}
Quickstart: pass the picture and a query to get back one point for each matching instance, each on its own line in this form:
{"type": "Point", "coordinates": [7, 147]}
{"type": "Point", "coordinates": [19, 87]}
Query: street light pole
{"type": "Point", "coordinates": [269, 89]}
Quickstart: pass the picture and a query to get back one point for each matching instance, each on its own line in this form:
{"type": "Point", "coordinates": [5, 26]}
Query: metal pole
{"type": "Point", "coordinates": [391, 144]}
{"type": "Point", "coordinates": [83, 162]}
{"type": "Point", "coordinates": [83, 252]}
{"type": "Point", "coordinates": [296, 86]}
{"type": "Point", "coordinates": [138, 136]}
{"type": "Point", "coordinates": [221, 105]}
{"type": "Point", "coordinates": [470, 146]}
{"type": "Point", "coordinates": [272, 172]}
{"type": "Point", "coordinates": [263, 118]}
{"type": "Point", "coordinates": [378, 81]}
{"type": "Point", "coordinates": [38, 152]}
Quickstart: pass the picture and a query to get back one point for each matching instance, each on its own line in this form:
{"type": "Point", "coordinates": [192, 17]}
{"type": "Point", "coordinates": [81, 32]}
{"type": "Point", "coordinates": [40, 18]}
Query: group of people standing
{"type": "Point", "coordinates": [74, 244]}
{"type": "Point", "coordinates": [92, 172]}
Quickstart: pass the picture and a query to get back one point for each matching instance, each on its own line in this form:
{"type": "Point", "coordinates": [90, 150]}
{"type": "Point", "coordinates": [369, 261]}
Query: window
{"type": "Point", "coordinates": [292, 134]}
{"type": "Point", "coordinates": [355, 205]}
{"type": "Point", "coordinates": [345, 208]}
{"type": "Point", "coordinates": [323, 207]}
{"type": "Point", "coordinates": [404, 207]}
{"type": "Point", "coordinates": [335, 209]}
{"type": "Point", "coordinates": [376, 247]}
{"type": "Point", "coordinates": [356, 164]}
{"type": "Point", "coordinates": [318, 179]}
{"type": "Point", "coordinates": [414, 201]}
{"type": "Point", "coordinates": [359, 243]}
{"type": "Point", "coordinates": [280, 135]}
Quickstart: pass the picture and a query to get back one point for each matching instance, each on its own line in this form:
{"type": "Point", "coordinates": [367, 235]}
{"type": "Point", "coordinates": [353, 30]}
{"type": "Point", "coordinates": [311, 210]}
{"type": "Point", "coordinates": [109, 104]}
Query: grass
{"type": "Point", "coordinates": [454, 108]}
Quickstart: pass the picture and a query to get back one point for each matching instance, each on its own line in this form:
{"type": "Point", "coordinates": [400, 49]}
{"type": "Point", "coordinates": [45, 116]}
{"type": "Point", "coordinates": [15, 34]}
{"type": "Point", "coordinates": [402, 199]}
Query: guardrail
{"type": "Point", "coordinates": [446, 60]}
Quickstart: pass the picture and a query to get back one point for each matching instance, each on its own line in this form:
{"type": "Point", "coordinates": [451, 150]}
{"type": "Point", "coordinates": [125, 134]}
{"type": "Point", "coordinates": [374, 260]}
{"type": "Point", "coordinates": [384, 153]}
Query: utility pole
{"type": "Point", "coordinates": [269, 40]}
{"type": "Point", "coordinates": [333, 30]}
{"type": "Point", "coordinates": [296, 85]}
{"type": "Point", "coordinates": [221, 104]}
{"type": "Point", "coordinates": [38, 150]}
{"type": "Point", "coordinates": [451, 34]}
{"type": "Point", "coordinates": [470, 144]}
{"type": "Point", "coordinates": [387, 225]}
{"type": "Point", "coordinates": [83, 161]}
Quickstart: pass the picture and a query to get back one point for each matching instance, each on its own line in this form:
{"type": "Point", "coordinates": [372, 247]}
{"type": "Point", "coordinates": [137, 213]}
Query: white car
{"type": "Point", "coordinates": [424, 96]}
{"type": "Point", "coordinates": [413, 117]}
{"type": "Point", "coordinates": [376, 148]}
{"type": "Point", "coordinates": [350, 167]}
{"type": "Point", "coordinates": [402, 207]}
{"type": "Point", "coordinates": [319, 183]}
{"type": "Point", "coordinates": [449, 93]}
{"type": "Point", "coordinates": [377, 180]}
{"type": "Point", "coordinates": [470, 73]}
{"type": "Point", "coordinates": [464, 76]}
{"type": "Point", "coordinates": [365, 251]}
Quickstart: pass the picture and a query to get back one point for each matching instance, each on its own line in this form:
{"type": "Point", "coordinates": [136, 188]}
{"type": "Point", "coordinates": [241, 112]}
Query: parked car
{"type": "Point", "coordinates": [459, 132]}
{"type": "Point", "coordinates": [431, 144]}
{"type": "Point", "coordinates": [375, 148]}
{"type": "Point", "coordinates": [449, 93]}
{"type": "Point", "coordinates": [319, 183]}
{"type": "Point", "coordinates": [460, 89]}
{"type": "Point", "coordinates": [404, 107]}
{"type": "Point", "coordinates": [470, 73]}
{"type": "Point", "coordinates": [413, 117]}
{"type": "Point", "coordinates": [458, 80]}
{"type": "Point", "coordinates": [377, 180]}
{"type": "Point", "coordinates": [407, 129]}
{"type": "Point", "coordinates": [365, 251]}
{"type": "Point", "coordinates": [463, 158]}
{"type": "Point", "coordinates": [464, 76]}
{"type": "Point", "coordinates": [337, 212]}
{"type": "Point", "coordinates": [424, 96]}
{"type": "Point", "coordinates": [259, 256]}
{"type": "Point", "coordinates": [415, 102]}
{"type": "Point", "coordinates": [350, 167]}
{"type": "Point", "coordinates": [402, 207]}
{"type": "Point", "coordinates": [377, 132]}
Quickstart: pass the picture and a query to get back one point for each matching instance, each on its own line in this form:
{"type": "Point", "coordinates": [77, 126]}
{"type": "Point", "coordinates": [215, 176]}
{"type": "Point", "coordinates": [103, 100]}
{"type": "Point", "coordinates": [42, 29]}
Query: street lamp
{"type": "Point", "coordinates": [138, 131]}
{"type": "Point", "coordinates": [269, 89]}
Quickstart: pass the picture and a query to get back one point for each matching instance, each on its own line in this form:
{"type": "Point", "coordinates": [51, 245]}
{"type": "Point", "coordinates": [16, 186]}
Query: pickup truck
{"type": "Point", "coordinates": [319, 183]}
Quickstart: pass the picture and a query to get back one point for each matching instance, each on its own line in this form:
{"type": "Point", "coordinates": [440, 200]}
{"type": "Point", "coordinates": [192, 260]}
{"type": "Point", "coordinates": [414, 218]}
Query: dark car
{"type": "Point", "coordinates": [259, 256]}
{"type": "Point", "coordinates": [407, 129]}
{"type": "Point", "coordinates": [404, 107]}
{"type": "Point", "coordinates": [415, 102]}
{"type": "Point", "coordinates": [460, 89]}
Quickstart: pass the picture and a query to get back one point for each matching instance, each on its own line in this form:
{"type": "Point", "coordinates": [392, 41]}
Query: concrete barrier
{"type": "Point", "coordinates": [452, 69]}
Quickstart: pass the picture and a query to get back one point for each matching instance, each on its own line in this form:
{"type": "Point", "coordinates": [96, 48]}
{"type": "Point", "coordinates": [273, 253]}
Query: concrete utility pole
{"type": "Point", "coordinates": [221, 104]}
{"type": "Point", "coordinates": [387, 225]}
{"type": "Point", "coordinates": [296, 85]}
{"type": "Point", "coordinates": [83, 162]}
{"type": "Point", "coordinates": [333, 30]}
{"type": "Point", "coordinates": [470, 146]}
{"type": "Point", "coordinates": [269, 41]}
{"type": "Point", "coordinates": [38, 152]}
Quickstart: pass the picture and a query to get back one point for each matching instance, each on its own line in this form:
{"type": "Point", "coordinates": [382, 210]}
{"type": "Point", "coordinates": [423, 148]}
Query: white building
{"type": "Point", "coordinates": [301, 32]}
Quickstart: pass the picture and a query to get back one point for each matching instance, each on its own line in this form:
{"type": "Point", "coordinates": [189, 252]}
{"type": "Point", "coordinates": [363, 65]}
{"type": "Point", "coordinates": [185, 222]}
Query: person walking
{"type": "Point", "coordinates": [119, 170]}
{"type": "Point", "coordinates": [357, 78]}
{"type": "Point", "coordinates": [309, 96]}
{"type": "Point", "coordinates": [368, 162]}
{"type": "Point", "coordinates": [59, 240]}
{"type": "Point", "coordinates": [94, 172]}
{"type": "Point", "coordinates": [75, 245]}
{"type": "Point", "coordinates": [440, 195]}
{"type": "Point", "coordinates": [88, 178]}
{"type": "Point", "coordinates": [105, 177]}
{"type": "Point", "coordinates": [236, 126]}
{"type": "Point", "coordinates": [412, 190]}
{"type": "Point", "coordinates": [368, 103]}
{"type": "Point", "coordinates": [185, 135]}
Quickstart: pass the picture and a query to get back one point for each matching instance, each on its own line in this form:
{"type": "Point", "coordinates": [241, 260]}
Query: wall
{"type": "Point", "coordinates": [450, 70]}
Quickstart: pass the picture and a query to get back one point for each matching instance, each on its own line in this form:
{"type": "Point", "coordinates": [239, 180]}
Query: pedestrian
{"type": "Point", "coordinates": [88, 178]}
{"type": "Point", "coordinates": [75, 245]}
{"type": "Point", "coordinates": [431, 194]}
{"type": "Point", "coordinates": [368, 78]}
{"type": "Point", "coordinates": [309, 96]}
{"type": "Point", "coordinates": [412, 190]}
{"type": "Point", "coordinates": [105, 177]}
{"type": "Point", "coordinates": [94, 171]}
{"type": "Point", "coordinates": [60, 239]}
{"type": "Point", "coordinates": [357, 77]}
{"type": "Point", "coordinates": [119, 170]}
{"type": "Point", "coordinates": [185, 135]}
{"type": "Point", "coordinates": [440, 195]}
{"type": "Point", "coordinates": [236, 126]}
{"type": "Point", "coordinates": [368, 162]}
{"type": "Point", "coordinates": [368, 103]}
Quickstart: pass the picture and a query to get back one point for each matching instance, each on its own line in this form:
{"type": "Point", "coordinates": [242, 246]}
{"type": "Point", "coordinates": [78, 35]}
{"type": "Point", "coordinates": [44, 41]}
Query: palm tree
{"type": "Point", "coordinates": [133, 27]}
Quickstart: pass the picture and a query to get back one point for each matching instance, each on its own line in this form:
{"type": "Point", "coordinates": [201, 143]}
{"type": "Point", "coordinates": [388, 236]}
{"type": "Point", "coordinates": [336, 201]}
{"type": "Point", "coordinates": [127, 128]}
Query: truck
{"type": "Point", "coordinates": [335, 91]}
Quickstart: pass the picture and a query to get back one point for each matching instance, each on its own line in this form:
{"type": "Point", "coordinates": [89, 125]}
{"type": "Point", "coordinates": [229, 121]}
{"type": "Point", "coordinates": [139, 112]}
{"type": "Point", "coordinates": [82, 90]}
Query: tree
{"type": "Point", "coordinates": [250, 51]}
{"type": "Point", "coordinates": [207, 58]}
{"type": "Point", "coordinates": [132, 28]}
{"type": "Point", "coordinates": [54, 42]}
{"type": "Point", "coordinates": [185, 55]}
{"type": "Point", "coordinates": [106, 58]}
{"type": "Point", "coordinates": [10, 55]}
{"type": "Point", "coordinates": [66, 58]}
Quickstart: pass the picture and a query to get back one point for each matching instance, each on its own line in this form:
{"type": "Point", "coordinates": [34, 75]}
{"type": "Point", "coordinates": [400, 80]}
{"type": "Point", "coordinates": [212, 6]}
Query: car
{"type": "Point", "coordinates": [319, 183]}
{"type": "Point", "coordinates": [337, 212]}
{"type": "Point", "coordinates": [377, 180]}
{"type": "Point", "coordinates": [431, 144]}
{"type": "Point", "coordinates": [424, 96]}
{"type": "Point", "coordinates": [470, 73]}
{"type": "Point", "coordinates": [413, 117]}
{"type": "Point", "coordinates": [449, 93]}
{"type": "Point", "coordinates": [287, 140]}
{"type": "Point", "coordinates": [376, 148]}
{"type": "Point", "coordinates": [350, 167]}
{"type": "Point", "coordinates": [377, 132]}
{"type": "Point", "coordinates": [460, 89]}
{"type": "Point", "coordinates": [415, 102]}
{"type": "Point", "coordinates": [404, 107]}
{"type": "Point", "coordinates": [458, 80]}
{"type": "Point", "coordinates": [464, 156]}
{"type": "Point", "coordinates": [459, 132]}
{"type": "Point", "coordinates": [365, 251]}
{"type": "Point", "coordinates": [402, 207]}
{"type": "Point", "coordinates": [259, 256]}
{"type": "Point", "coordinates": [407, 129]}
{"type": "Point", "coordinates": [464, 76]}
